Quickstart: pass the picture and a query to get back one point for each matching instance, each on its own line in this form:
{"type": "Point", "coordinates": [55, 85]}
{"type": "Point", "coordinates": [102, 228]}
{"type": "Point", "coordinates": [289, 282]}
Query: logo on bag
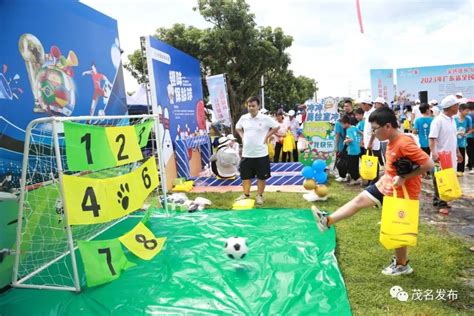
{"type": "Point", "coordinates": [369, 163]}
{"type": "Point", "coordinates": [401, 214]}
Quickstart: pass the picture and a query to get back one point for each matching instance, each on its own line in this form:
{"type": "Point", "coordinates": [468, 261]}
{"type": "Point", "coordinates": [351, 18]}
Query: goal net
{"type": "Point", "coordinates": [45, 251]}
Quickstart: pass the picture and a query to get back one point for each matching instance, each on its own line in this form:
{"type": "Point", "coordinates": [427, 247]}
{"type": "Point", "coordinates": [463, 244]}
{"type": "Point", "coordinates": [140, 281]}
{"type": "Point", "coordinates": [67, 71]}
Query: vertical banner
{"type": "Point", "coordinates": [219, 99]}
{"type": "Point", "coordinates": [381, 83]}
{"type": "Point", "coordinates": [176, 93]}
{"type": "Point", "coordinates": [439, 81]}
{"type": "Point", "coordinates": [319, 132]}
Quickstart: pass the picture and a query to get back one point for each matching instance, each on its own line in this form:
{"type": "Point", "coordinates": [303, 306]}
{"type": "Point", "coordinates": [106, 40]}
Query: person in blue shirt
{"type": "Point", "coordinates": [359, 114]}
{"type": "Point", "coordinates": [421, 127]}
{"type": "Point", "coordinates": [464, 128]}
{"type": "Point", "coordinates": [470, 140]}
{"type": "Point", "coordinates": [352, 140]}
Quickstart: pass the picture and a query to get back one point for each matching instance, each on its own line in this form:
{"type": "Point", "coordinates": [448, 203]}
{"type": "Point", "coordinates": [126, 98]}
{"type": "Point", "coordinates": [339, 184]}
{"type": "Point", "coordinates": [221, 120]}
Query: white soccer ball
{"type": "Point", "coordinates": [236, 247]}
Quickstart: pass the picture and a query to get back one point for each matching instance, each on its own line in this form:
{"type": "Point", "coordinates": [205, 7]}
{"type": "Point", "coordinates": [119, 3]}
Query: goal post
{"type": "Point", "coordinates": [45, 255]}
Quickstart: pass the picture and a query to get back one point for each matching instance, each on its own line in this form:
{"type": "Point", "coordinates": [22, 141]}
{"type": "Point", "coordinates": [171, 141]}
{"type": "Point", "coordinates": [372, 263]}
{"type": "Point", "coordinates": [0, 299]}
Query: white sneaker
{"type": "Point", "coordinates": [242, 197]}
{"type": "Point", "coordinates": [321, 219]}
{"type": "Point", "coordinates": [471, 172]}
{"type": "Point", "coordinates": [355, 182]}
{"type": "Point", "coordinates": [393, 269]}
{"type": "Point", "coordinates": [340, 179]}
{"type": "Point", "coordinates": [259, 199]}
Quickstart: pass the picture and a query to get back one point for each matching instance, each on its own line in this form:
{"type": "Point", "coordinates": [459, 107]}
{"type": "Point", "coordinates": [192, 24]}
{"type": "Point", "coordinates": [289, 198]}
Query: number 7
{"type": "Point", "coordinates": [108, 258]}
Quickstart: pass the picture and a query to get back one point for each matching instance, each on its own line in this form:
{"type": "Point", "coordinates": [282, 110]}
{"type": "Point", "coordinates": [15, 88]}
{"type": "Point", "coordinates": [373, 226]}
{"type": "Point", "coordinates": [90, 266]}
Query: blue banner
{"type": "Point", "coordinates": [381, 82]}
{"type": "Point", "coordinates": [176, 91]}
{"type": "Point", "coordinates": [438, 81]}
{"type": "Point", "coordinates": [57, 58]}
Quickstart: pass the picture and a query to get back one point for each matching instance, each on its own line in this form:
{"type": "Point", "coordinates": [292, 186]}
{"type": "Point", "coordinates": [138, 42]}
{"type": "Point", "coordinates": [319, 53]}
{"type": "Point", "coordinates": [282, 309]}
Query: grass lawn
{"type": "Point", "coordinates": [439, 259]}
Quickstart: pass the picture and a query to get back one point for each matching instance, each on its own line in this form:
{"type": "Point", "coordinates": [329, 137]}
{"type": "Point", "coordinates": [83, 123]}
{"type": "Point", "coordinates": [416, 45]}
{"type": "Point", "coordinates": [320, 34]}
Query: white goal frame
{"type": "Point", "coordinates": [20, 280]}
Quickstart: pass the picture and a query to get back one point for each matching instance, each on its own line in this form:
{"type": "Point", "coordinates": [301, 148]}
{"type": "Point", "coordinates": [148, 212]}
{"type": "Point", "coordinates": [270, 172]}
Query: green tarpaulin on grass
{"type": "Point", "coordinates": [290, 269]}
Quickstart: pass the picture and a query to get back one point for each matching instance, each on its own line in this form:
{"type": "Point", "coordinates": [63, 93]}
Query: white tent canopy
{"type": "Point", "coordinates": [139, 97]}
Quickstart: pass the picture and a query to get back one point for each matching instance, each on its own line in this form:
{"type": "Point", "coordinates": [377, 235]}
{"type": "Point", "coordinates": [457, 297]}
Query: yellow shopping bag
{"type": "Point", "coordinates": [448, 184]}
{"type": "Point", "coordinates": [399, 221]}
{"type": "Point", "coordinates": [288, 142]}
{"type": "Point", "coordinates": [271, 150]}
{"type": "Point", "coordinates": [368, 166]}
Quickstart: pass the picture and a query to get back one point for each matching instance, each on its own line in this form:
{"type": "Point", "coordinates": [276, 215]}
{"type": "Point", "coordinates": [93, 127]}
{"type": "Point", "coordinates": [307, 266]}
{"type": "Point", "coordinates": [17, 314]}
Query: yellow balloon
{"type": "Point", "coordinates": [309, 184]}
{"type": "Point", "coordinates": [321, 190]}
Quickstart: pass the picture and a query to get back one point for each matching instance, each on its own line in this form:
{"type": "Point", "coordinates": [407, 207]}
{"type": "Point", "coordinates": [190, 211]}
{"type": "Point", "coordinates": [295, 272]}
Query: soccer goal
{"type": "Point", "coordinates": [45, 255]}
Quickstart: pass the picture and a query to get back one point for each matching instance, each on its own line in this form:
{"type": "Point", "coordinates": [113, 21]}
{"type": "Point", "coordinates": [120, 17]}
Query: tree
{"type": "Point", "coordinates": [234, 45]}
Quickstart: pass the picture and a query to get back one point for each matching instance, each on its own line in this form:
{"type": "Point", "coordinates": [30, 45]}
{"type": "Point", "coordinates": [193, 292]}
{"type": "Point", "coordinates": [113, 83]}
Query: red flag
{"type": "Point", "coordinates": [359, 16]}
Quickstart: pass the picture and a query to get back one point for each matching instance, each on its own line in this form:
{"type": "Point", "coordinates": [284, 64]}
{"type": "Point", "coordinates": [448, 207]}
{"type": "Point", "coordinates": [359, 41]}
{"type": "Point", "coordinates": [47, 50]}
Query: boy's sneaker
{"type": "Point", "coordinates": [395, 269]}
{"type": "Point", "coordinates": [242, 197]}
{"type": "Point", "coordinates": [355, 182]}
{"type": "Point", "coordinates": [340, 179]}
{"type": "Point", "coordinates": [459, 174]}
{"type": "Point", "coordinates": [259, 199]}
{"type": "Point", "coordinates": [321, 219]}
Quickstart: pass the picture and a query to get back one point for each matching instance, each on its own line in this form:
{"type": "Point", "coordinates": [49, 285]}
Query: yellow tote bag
{"type": "Point", "coordinates": [368, 166]}
{"type": "Point", "coordinates": [448, 184]}
{"type": "Point", "coordinates": [271, 150]}
{"type": "Point", "coordinates": [399, 221]}
{"type": "Point", "coordinates": [288, 142]}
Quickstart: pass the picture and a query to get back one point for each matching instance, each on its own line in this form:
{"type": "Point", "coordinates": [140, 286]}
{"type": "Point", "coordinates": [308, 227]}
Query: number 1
{"type": "Point", "coordinates": [87, 139]}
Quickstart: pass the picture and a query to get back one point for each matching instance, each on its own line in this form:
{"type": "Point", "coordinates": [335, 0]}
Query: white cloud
{"type": "Point", "coordinates": [327, 43]}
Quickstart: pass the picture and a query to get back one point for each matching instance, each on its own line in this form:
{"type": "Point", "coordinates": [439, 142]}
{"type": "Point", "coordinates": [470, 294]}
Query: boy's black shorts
{"type": "Point", "coordinates": [255, 167]}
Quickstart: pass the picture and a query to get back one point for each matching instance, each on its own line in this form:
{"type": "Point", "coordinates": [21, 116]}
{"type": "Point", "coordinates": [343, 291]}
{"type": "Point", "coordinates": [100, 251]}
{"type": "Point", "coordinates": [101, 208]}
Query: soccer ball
{"type": "Point", "coordinates": [236, 248]}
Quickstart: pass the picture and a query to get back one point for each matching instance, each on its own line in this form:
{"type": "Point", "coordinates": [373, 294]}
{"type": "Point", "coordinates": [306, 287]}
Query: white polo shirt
{"type": "Point", "coordinates": [443, 128]}
{"type": "Point", "coordinates": [255, 129]}
{"type": "Point", "coordinates": [368, 131]}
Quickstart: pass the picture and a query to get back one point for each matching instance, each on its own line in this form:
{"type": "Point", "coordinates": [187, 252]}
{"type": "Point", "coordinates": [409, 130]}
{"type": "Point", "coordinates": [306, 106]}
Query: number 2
{"type": "Point", "coordinates": [120, 155]}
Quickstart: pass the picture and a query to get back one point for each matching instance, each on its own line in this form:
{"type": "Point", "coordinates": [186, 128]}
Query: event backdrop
{"type": "Point", "coordinates": [56, 58]}
{"type": "Point", "coordinates": [176, 94]}
{"type": "Point", "coordinates": [439, 81]}
{"type": "Point", "coordinates": [381, 83]}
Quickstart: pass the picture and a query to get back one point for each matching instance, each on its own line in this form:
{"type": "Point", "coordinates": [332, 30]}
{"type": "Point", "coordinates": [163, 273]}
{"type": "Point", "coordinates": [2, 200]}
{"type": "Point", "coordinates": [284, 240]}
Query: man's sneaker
{"type": "Point", "coordinates": [395, 269]}
{"type": "Point", "coordinates": [340, 179]}
{"type": "Point", "coordinates": [471, 172]}
{"type": "Point", "coordinates": [242, 197]}
{"type": "Point", "coordinates": [259, 199]}
{"type": "Point", "coordinates": [459, 174]}
{"type": "Point", "coordinates": [321, 219]}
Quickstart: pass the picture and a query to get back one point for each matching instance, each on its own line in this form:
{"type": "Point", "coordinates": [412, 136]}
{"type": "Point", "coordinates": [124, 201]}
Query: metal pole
{"type": "Point", "coordinates": [66, 218]}
{"type": "Point", "coordinates": [262, 83]}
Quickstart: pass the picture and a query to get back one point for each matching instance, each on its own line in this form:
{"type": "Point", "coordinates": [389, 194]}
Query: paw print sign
{"type": "Point", "coordinates": [93, 201]}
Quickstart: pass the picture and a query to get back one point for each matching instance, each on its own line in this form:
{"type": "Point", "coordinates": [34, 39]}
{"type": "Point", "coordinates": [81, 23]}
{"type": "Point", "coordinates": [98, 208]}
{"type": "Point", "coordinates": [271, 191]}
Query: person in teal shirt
{"type": "Point", "coordinates": [470, 140]}
{"type": "Point", "coordinates": [352, 141]}
{"type": "Point", "coordinates": [464, 128]}
{"type": "Point", "coordinates": [359, 114]}
{"type": "Point", "coordinates": [421, 127]}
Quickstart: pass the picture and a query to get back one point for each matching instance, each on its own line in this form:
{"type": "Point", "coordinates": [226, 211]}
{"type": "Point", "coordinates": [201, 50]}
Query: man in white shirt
{"type": "Point", "coordinates": [255, 129]}
{"type": "Point", "coordinates": [443, 137]}
{"type": "Point", "coordinates": [370, 141]}
{"type": "Point", "coordinates": [415, 113]}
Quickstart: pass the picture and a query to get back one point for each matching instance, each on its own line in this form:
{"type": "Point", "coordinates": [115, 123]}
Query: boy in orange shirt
{"type": "Point", "coordinates": [385, 127]}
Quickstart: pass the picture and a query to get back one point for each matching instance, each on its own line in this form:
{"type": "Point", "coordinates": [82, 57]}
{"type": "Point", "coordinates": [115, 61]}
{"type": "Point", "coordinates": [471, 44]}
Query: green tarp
{"type": "Point", "coordinates": [290, 269]}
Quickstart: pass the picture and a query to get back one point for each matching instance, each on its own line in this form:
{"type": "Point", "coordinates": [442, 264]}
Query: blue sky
{"type": "Point", "coordinates": [328, 45]}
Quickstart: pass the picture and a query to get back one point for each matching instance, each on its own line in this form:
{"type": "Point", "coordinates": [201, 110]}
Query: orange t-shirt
{"type": "Point", "coordinates": [405, 146]}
